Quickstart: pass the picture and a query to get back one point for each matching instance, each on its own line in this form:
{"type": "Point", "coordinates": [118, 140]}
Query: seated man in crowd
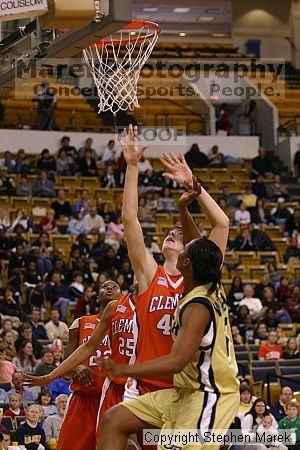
{"type": "Point", "coordinates": [279, 408]}
{"type": "Point", "coordinates": [47, 363]}
{"type": "Point", "coordinates": [55, 328]}
{"type": "Point", "coordinates": [52, 424]}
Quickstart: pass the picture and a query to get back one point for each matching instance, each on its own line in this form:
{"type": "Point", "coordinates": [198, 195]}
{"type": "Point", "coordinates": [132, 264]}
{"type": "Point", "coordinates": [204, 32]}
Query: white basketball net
{"type": "Point", "coordinates": [116, 65]}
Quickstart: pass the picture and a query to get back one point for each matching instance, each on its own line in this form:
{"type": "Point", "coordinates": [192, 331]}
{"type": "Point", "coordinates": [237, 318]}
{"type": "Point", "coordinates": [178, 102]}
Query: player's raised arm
{"type": "Point", "coordinates": [143, 264]}
{"type": "Point", "coordinates": [81, 353]}
{"type": "Point", "coordinates": [177, 169]}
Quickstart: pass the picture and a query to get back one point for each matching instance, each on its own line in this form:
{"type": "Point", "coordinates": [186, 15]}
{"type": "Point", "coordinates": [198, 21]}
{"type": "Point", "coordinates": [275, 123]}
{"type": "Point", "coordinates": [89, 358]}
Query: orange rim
{"type": "Point", "coordinates": [134, 25]}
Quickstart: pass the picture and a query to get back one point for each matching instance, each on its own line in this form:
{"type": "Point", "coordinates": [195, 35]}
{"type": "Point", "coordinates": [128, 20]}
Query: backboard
{"type": "Point", "coordinates": [25, 40]}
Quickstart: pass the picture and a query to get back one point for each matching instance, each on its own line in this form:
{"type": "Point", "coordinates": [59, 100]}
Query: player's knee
{"type": "Point", "coordinates": [112, 418]}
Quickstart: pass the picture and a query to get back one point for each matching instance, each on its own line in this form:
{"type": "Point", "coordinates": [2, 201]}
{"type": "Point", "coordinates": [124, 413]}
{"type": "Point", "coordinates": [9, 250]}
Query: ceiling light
{"type": "Point", "coordinates": [182, 34]}
{"type": "Point", "coordinates": [206, 18]}
{"type": "Point", "coordinates": [150, 9]}
{"type": "Point", "coordinates": [181, 10]}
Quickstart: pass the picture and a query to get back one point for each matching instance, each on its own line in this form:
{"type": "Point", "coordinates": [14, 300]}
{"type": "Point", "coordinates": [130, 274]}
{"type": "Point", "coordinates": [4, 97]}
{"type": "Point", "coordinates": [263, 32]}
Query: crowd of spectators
{"type": "Point", "coordinates": [38, 273]}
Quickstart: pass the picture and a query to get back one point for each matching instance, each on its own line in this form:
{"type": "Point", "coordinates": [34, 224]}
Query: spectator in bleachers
{"type": "Point", "coordinates": [292, 349]}
{"type": "Point", "coordinates": [64, 164]}
{"type": "Point", "coordinates": [276, 190]}
{"type": "Point", "coordinates": [213, 156]}
{"type": "Point", "coordinates": [270, 351]}
{"type": "Point", "coordinates": [45, 400]}
{"type": "Point", "coordinates": [267, 432]}
{"type": "Point", "coordinates": [46, 162]}
{"type": "Point", "coordinates": [84, 204]}
{"type": "Point", "coordinates": [115, 228]}
{"type": "Point", "coordinates": [86, 304]}
{"type": "Point", "coordinates": [259, 188]}
{"type": "Point", "coordinates": [274, 273]}
{"type": "Point", "coordinates": [262, 165]}
{"type": "Point", "coordinates": [25, 361]}
{"type": "Point", "coordinates": [58, 352]}
{"type": "Point", "coordinates": [292, 422]}
{"type": "Point", "coordinates": [280, 213]}
{"type": "Point", "coordinates": [8, 340]}
{"type": "Point", "coordinates": [76, 288]}
{"type": "Point", "coordinates": [23, 188]}
{"type": "Point", "coordinates": [165, 203]}
{"type": "Point", "coordinates": [235, 294]}
{"type": "Point", "coordinates": [26, 335]}
{"type": "Point", "coordinates": [76, 225]}
{"type": "Point", "coordinates": [260, 215]}
{"type": "Point", "coordinates": [292, 223]}
{"type": "Point", "coordinates": [21, 165]}
{"type": "Point", "coordinates": [93, 223]}
{"type": "Point", "coordinates": [7, 325]}
{"type": "Point", "coordinates": [292, 253]}
{"type": "Point", "coordinates": [46, 365]}
{"type": "Point", "coordinates": [57, 293]}
{"type": "Point", "coordinates": [284, 290]}
{"type": "Point", "coordinates": [87, 146]}
{"type": "Point", "coordinates": [10, 304]}
{"type": "Point", "coordinates": [145, 214]}
{"type": "Point", "coordinates": [231, 200]}
{"type": "Point", "coordinates": [243, 312]}
{"type": "Point", "coordinates": [99, 248]}
{"type": "Point", "coordinates": [109, 153]}
{"type": "Point", "coordinates": [144, 165]}
{"type": "Point", "coordinates": [48, 223]}
{"type": "Point", "coordinates": [27, 394]}
{"type": "Point", "coordinates": [236, 335]}
{"type": "Point", "coordinates": [108, 179]}
{"type": "Point", "coordinates": [6, 183]}
{"type": "Point", "coordinates": [281, 335]}
{"type": "Point", "coordinates": [260, 333]}
{"type": "Point", "coordinates": [249, 326]}
{"type": "Point", "coordinates": [14, 409]}
{"type": "Point", "coordinates": [38, 329]}
{"type": "Point", "coordinates": [7, 368]}
{"type": "Point", "coordinates": [18, 238]}
{"type": "Point", "coordinates": [30, 434]}
{"type": "Point", "coordinates": [87, 165]}
{"type": "Point", "coordinates": [278, 409]}
{"type": "Point", "coordinates": [42, 254]}
{"type": "Point", "coordinates": [70, 149]}
{"type": "Point", "coordinates": [293, 304]}
{"type": "Point", "coordinates": [224, 122]}
{"type": "Point", "coordinates": [104, 209]}
{"type": "Point", "coordinates": [268, 298]}
{"type": "Point", "coordinates": [255, 416]}
{"type": "Point", "coordinates": [265, 282]}
{"type": "Point", "coordinates": [61, 206]}
{"type": "Point", "coordinates": [109, 262]}
{"type": "Point", "coordinates": [195, 158]}
{"type": "Point", "coordinates": [23, 220]}
{"type": "Point", "coordinates": [249, 198]}
{"type": "Point", "coordinates": [242, 215]}
{"type": "Point", "coordinates": [8, 162]}
{"type": "Point", "coordinates": [55, 328]}
{"type": "Point", "coordinates": [43, 187]}
{"type": "Point", "coordinates": [243, 242]}
{"type": "Point", "coordinates": [60, 386]}
{"type": "Point", "coordinates": [53, 423]}
{"type": "Point", "coordinates": [254, 304]}
{"type": "Point", "coordinates": [246, 402]}
{"type": "Point", "coordinates": [4, 219]}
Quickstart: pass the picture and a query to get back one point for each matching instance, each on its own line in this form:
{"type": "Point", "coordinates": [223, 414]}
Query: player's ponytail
{"type": "Point", "coordinates": [206, 259]}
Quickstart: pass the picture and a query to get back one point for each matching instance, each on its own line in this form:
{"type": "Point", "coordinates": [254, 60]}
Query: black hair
{"type": "Point", "coordinates": [206, 259]}
{"type": "Point", "coordinates": [252, 411]}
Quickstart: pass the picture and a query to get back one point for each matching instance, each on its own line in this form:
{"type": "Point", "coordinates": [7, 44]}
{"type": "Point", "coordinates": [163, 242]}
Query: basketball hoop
{"type": "Point", "coordinates": [116, 62]}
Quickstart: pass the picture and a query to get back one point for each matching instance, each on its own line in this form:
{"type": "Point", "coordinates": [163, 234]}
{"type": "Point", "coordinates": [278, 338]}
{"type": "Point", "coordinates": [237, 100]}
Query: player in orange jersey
{"type": "Point", "coordinates": [87, 382]}
{"type": "Point", "coordinates": [160, 287]}
{"type": "Point", "coordinates": [117, 322]}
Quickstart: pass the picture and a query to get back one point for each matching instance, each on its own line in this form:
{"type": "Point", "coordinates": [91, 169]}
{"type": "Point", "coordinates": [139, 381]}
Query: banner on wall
{"type": "Point", "coordinates": [21, 9]}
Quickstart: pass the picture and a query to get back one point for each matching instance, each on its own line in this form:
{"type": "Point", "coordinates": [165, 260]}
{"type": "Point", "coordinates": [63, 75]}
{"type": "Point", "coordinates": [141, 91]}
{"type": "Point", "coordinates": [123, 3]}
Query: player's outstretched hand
{"type": "Point", "coordinates": [31, 380]}
{"type": "Point", "coordinates": [129, 144]}
{"type": "Point", "coordinates": [191, 194]}
{"type": "Point", "coordinates": [84, 375]}
{"type": "Point", "coordinates": [177, 169]}
{"type": "Point", "coordinates": [109, 367]}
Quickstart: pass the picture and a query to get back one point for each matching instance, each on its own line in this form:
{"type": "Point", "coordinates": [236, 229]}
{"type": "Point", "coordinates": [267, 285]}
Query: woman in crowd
{"type": "Point", "coordinates": [115, 228]}
{"type": "Point", "coordinates": [261, 333]}
{"type": "Point", "coordinates": [45, 400]}
{"type": "Point", "coordinates": [21, 219]}
{"type": "Point", "coordinates": [25, 361]}
{"type": "Point", "coordinates": [7, 368]}
{"type": "Point", "coordinates": [260, 215]}
{"type": "Point", "coordinates": [254, 417]}
{"type": "Point", "coordinates": [292, 349]}
{"type": "Point", "coordinates": [293, 304]}
{"type": "Point", "coordinates": [246, 401]}
{"type": "Point", "coordinates": [8, 340]}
